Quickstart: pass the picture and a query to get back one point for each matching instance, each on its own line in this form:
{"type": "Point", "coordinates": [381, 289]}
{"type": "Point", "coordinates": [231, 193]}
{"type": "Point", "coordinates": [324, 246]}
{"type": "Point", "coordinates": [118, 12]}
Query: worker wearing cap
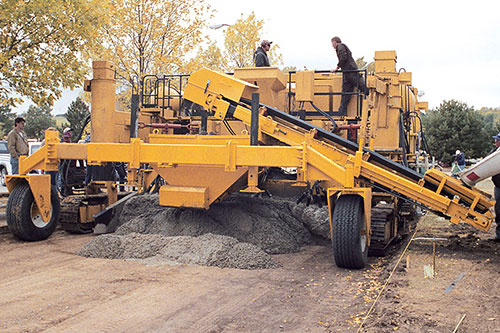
{"type": "Point", "coordinates": [460, 159]}
{"type": "Point", "coordinates": [260, 56]}
{"type": "Point", "coordinates": [496, 181]}
{"type": "Point", "coordinates": [350, 78]}
{"type": "Point", "coordinates": [17, 141]}
{"type": "Point", "coordinates": [67, 135]}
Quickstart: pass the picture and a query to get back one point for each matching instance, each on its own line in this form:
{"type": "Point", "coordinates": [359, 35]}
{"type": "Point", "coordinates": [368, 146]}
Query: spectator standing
{"type": "Point", "coordinates": [460, 159]}
{"type": "Point", "coordinates": [17, 143]}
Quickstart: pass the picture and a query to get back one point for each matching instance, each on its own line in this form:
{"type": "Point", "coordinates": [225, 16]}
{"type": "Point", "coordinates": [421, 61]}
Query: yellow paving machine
{"type": "Point", "coordinates": [198, 139]}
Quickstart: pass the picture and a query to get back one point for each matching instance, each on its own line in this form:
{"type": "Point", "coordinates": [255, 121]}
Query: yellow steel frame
{"type": "Point", "coordinates": [200, 169]}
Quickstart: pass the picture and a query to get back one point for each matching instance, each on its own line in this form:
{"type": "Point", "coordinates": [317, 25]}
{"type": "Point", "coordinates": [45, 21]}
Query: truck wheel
{"type": "Point", "coordinates": [24, 218]}
{"type": "Point", "coordinates": [349, 237]}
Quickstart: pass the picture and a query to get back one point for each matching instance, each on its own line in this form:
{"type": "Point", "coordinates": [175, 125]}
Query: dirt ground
{"type": "Point", "coordinates": [45, 287]}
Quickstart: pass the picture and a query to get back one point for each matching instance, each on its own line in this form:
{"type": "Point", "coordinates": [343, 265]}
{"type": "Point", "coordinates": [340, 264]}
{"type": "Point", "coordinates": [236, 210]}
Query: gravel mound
{"type": "Point", "coordinates": [274, 225]}
{"type": "Point", "coordinates": [206, 250]}
{"type": "Point", "coordinates": [240, 232]}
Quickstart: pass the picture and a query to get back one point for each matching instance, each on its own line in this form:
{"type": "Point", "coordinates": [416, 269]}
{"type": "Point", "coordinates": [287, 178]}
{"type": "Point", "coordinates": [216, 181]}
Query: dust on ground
{"type": "Point", "coordinates": [46, 287]}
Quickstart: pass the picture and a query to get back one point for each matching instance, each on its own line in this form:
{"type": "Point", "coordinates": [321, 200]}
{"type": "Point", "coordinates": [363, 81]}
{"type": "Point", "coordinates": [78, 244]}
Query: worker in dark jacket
{"type": "Point", "coordinates": [460, 159]}
{"type": "Point", "coordinates": [260, 56]}
{"type": "Point", "coordinates": [496, 182]}
{"type": "Point", "coordinates": [350, 78]}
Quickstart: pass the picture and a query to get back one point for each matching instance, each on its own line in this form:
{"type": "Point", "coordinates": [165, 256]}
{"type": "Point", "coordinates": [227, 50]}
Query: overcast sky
{"type": "Point", "coordinates": [451, 47]}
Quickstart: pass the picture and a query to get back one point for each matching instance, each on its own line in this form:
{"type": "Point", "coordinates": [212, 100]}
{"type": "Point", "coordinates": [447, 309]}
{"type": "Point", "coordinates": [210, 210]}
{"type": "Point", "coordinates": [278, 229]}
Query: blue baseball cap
{"type": "Point", "coordinates": [497, 137]}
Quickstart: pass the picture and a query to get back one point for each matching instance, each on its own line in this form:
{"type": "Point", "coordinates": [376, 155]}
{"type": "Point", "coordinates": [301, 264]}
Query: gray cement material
{"type": "Point", "coordinates": [206, 250]}
{"type": "Point", "coordinates": [239, 232]}
{"type": "Point", "coordinates": [276, 225]}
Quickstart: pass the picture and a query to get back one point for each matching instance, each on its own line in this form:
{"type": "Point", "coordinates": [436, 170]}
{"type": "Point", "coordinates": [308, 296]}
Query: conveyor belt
{"type": "Point", "coordinates": [325, 135]}
{"type": "Point", "coordinates": [449, 190]}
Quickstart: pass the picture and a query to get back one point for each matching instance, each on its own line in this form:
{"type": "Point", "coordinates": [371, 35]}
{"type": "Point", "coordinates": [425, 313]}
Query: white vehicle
{"type": "Point", "coordinates": [5, 167]}
{"type": "Point", "coordinates": [33, 147]}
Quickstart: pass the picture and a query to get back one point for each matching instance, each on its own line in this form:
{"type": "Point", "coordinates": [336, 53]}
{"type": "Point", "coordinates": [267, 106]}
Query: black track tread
{"type": "Point", "coordinates": [347, 223]}
{"type": "Point", "coordinates": [19, 210]}
{"type": "Point", "coordinates": [70, 213]}
{"type": "Point", "coordinates": [382, 214]}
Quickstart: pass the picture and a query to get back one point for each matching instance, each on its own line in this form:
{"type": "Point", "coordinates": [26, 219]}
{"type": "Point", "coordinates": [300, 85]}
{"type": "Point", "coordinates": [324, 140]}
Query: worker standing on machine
{"type": "Point", "coordinates": [496, 182]}
{"type": "Point", "coordinates": [350, 76]}
{"type": "Point", "coordinates": [260, 56]}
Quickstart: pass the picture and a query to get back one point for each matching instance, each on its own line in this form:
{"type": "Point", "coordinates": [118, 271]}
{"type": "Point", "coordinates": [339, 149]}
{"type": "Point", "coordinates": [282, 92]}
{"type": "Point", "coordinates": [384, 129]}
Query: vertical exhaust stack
{"type": "Point", "coordinates": [103, 86]}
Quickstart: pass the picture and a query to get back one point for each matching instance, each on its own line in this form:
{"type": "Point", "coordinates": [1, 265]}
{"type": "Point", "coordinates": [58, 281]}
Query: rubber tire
{"type": "Point", "coordinates": [2, 176]}
{"type": "Point", "coordinates": [347, 224]}
{"type": "Point", "coordinates": [19, 214]}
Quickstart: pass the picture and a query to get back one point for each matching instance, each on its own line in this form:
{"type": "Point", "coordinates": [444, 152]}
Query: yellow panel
{"type": "Point", "coordinates": [385, 61]}
{"type": "Point", "coordinates": [274, 75]}
{"type": "Point", "coordinates": [205, 83]}
{"type": "Point", "coordinates": [423, 105]}
{"type": "Point", "coordinates": [40, 188]}
{"type": "Point", "coordinates": [304, 86]}
{"type": "Point", "coordinates": [405, 77]}
{"type": "Point", "coordinates": [184, 196]}
{"type": "Point", "coordinates": [215, 179]}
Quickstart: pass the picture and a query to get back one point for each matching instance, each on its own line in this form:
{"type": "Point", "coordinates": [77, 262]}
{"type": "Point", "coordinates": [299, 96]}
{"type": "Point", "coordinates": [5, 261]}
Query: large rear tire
{"type": "Point", "coordinates": [349, 236]}
{"type": "Point", "coordinates": [23, 216]}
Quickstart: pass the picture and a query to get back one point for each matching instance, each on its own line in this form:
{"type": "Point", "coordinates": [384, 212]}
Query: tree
{"type": "Point", "coordinates": [152, 36]}
{"type": "Point", "coordinates": [7, 117]}
{"type": "Point", "coordinates": [370, 67]}
{"type": "Point", "coordinates": [240, 42]}
{"type": "Point", "coordinates": [212, 58]}
{"type": "Point", "coordinates": [77, 112]}
{"type": "Point", "coordinates": [455, 125]}
{"type": "Point", "coordinates": [38, 119]}
{"type": "Point", "coordinates": [43, 47]}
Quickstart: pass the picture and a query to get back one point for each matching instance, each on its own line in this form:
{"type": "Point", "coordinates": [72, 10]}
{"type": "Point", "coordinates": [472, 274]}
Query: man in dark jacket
{"type": "Point", "coordinates": [350, 78]}
{"type": "Point", "coordinates": [260, 56]}
{"type": "Point", "coordinates": [460, 159]}
{"type": "Point", "coordinates": [496, 181]}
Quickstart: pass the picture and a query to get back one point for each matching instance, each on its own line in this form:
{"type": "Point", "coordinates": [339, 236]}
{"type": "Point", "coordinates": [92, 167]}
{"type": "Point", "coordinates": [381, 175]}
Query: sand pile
{"type": "Point", "coordinates": [239, 232]}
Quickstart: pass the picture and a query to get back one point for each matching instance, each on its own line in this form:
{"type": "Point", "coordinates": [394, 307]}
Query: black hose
{"type": "Point", "coordinates": [230, 130]}
{"type": "Point", "coordinates": [85, 123]}
{"type": "Point", "coordinates": [334, 129]}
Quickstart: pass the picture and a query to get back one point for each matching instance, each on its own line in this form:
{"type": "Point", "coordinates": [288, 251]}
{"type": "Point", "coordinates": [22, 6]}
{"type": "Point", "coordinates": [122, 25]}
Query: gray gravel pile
{"type": "Point", "coordinates": [239, 232]}
{"type": "Point", "coordinates": [275, 225]}
{"type": "Point", "coordinates": [206, 250]}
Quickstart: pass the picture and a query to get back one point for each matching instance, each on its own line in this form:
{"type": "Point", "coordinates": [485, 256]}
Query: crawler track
{"type": "Point", "coordinates": [70, 212]}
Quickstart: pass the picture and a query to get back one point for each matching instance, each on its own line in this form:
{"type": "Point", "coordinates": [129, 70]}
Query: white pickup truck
{"type": "Point", "coordinates": [5, 167]}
